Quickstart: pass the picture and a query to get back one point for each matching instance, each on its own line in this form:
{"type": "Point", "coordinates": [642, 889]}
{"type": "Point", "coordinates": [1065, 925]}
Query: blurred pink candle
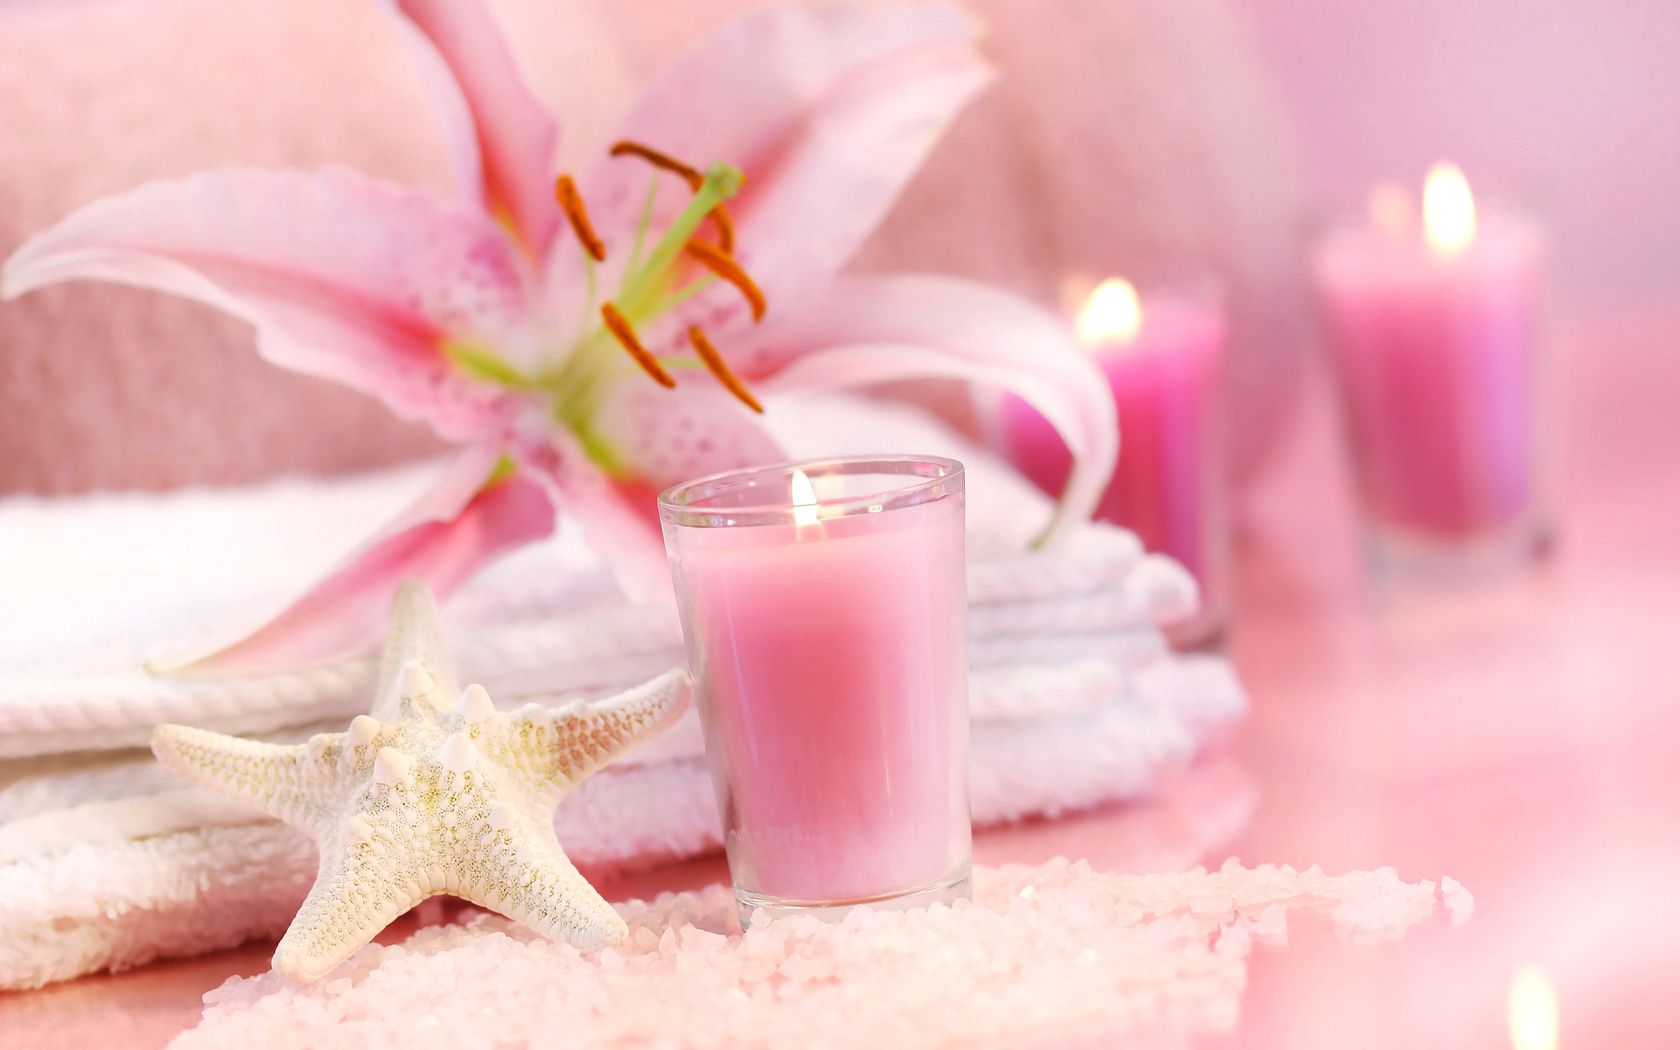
{"type": "Point", "coordinates": [1434, 334]}
{"type": "Point", "coordinates": [1162, 356]}
{"type": "Point", "coordinates": [827, 636]}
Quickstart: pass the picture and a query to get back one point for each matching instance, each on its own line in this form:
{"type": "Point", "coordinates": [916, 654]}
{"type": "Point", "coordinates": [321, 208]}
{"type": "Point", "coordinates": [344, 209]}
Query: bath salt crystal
{"type": "Point", "coordinates": [1234, 940]}
{"type": "Point", "coordinates": [1457, 899]}
{"type": "Point", "coordinates": [1271, 926]}
{"type": "Point", "coordinates": [1084, 952]}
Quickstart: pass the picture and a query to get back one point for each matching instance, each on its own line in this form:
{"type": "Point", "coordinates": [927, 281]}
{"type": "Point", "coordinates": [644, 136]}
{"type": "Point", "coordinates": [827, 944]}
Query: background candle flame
{"type": "Point", "coordinates": [1532, 1011]}
{"type": "Point", "coordinates": [1111, 313]}
{"type": "Point", "coordinates": [1449, 211]}
{"type": "Point", "coordinates": [804, 499]}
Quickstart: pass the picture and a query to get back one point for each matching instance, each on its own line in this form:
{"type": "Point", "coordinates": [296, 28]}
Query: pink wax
{"type": "Point", "coordinates": [1168, 485]}
{"type": "Point", "coordinates": [1437, 355]}
{"type": "Point", "coordinates": [831, 663]}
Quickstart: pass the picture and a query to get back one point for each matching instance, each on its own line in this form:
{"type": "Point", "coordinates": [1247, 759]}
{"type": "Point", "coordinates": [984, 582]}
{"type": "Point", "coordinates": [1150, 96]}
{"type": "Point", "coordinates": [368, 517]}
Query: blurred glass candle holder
{"type": "Point", "coordinates": [1433, 325]}
{"type": "Point", "coordinates": [1162, 351]}
{"type": "Point", "coordinates": [824, 607]}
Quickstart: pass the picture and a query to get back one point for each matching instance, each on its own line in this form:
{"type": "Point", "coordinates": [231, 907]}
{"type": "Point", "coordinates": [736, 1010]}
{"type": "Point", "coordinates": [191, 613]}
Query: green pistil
{"type": "Point", "coordinates": [722, 182]}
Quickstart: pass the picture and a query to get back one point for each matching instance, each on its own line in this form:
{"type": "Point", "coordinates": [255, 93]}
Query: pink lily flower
{"type": "Point", "coordinates": [592, 340]}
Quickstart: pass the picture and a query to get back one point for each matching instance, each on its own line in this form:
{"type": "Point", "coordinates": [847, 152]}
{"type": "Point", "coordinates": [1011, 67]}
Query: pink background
{"type": "Point", "coordinates": [1571, 107]}
{"type": "Point", "coordinates": [1204, 132]}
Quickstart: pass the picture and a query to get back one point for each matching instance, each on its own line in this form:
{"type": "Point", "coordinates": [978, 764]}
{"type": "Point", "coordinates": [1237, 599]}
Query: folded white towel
{"type": "Point", "coordinates": [115, 883]}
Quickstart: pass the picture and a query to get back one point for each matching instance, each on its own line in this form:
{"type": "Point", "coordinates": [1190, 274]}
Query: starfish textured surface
{"type": "Point", "coordinates": [429, 795]}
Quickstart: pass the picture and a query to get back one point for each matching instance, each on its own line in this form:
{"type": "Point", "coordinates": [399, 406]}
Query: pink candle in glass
{"type": "Point", "coordinates": [1434, 335]}
{"type": "Point", "coordinates": [823, 607]}
{"type": "Point", "coordinates": [1162, 355]}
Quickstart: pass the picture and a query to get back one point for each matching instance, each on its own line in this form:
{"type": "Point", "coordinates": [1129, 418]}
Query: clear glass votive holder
{"type": "Point", "coordinates": [1439, 358]}
{"type": "Point", "coordinates": [824, 608]}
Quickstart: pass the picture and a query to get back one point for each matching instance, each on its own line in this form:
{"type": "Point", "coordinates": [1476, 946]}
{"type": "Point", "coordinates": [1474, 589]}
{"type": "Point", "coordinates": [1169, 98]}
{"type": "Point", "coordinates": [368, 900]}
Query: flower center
{"type": "Point", "coordinates": [655, 284]}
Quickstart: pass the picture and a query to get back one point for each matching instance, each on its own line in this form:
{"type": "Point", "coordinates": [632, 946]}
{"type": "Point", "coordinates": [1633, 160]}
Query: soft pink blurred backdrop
{"type": "Point", "coordinates": [1572, 107]}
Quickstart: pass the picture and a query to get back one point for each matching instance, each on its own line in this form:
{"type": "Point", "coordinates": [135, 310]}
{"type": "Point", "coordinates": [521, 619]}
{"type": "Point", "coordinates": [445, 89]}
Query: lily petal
{"type": "Point", "coordinates": [662, 437]}
{"type": "Point", "coordinates": [343, 276]}
{"type": "Point", "coordinates": [503, 138]}
{"type": "Point", "coordinates": [641, 440]}
{"type": "Point", "coordinates": [880, 329]}
{"type": "Point", "coordinates": [475, 512]}
{"type": "Point", "coordinates": [613, 513]}
{"type": "Point", "coordinates": [829, 111]}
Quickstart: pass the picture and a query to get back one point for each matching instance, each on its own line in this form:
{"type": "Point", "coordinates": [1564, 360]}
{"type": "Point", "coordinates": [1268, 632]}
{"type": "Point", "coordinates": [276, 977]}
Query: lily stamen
{"type": "Point", "coordinates": [725, 227]}
{"type": "Point", "coordinates": [571, 202]}
{"type": "Point", "coordinates": [689, 174]}
{"type": "Point", "coordinates": [724, 265]}
{"type": "Point", "coordinates": [715, 364]}
{"type": "Point", "coordinates": [626, 336]}
{"type": "Point", "coordinates": [626, 148]}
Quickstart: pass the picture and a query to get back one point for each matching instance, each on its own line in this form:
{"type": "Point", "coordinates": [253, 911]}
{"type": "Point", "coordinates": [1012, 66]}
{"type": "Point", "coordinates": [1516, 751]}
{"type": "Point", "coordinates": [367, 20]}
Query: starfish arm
{"type": "Point", "coordinates": [550, 751]}
{"type": "Point", "coordinates": [586, 740]}
{"type": "Point", "coordinates": [534, 882]}
{"type": "Point", "coordinates": [290, 782]}
{"type": "Point", "coordinates": [354, 897]}
{"type": "Point", "coordinates": [413, 637]}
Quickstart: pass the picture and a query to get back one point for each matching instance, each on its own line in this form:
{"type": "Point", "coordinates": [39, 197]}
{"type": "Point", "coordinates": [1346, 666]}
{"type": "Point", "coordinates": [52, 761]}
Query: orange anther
{"type": "Point", "coordinates": [571, 202]}
{"type": "Point", "coordinates": [626, 336]}
{"type": "Point", "coordinates": [724, 265]}
{"type": "Point", "coordinates": [725, 227]}
{"type": "Point", "coordinates": [624, 147]}
{"type": "Point", "coordinates": [714, 362]}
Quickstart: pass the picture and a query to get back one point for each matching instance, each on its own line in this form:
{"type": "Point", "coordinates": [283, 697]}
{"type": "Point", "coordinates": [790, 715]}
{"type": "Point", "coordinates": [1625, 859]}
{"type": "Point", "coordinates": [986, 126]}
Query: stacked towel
{"type": "Point", "coordinates": [107, 862]}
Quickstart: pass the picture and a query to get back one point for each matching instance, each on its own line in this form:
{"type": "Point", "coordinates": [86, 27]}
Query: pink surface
{"type": "Point", "coordinates": [1439, 360]}
{"type": "Point", "coordinates": [832, 679]}
{"type": "Point", "coordinates": [1168, 485]}
{"type": "Point", "coordinates": [1518, 737]}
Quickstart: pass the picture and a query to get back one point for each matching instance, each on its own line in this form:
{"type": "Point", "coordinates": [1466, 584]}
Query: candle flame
{"type": "Point", "coordinates": [1532, 1011]}
{"type": "Point", "coordinates": [804, 499]}
{"type": "Point", "coordinates": [1391, 210]}
{"type": "Point", "coordinates": [1111, 313]}
{"type": "Point", "coordinates": [1449, 212]}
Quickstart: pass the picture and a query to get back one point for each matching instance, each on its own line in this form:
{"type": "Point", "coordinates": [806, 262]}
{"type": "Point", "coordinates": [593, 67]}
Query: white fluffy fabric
{"type": "Point", "coordinates": [105, 862]}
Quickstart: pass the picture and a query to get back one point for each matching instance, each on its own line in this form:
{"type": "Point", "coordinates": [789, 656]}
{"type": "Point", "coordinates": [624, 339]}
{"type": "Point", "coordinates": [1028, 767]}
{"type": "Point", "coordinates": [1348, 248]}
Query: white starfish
{"type": "Point", "coordinates": [419, 799]}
